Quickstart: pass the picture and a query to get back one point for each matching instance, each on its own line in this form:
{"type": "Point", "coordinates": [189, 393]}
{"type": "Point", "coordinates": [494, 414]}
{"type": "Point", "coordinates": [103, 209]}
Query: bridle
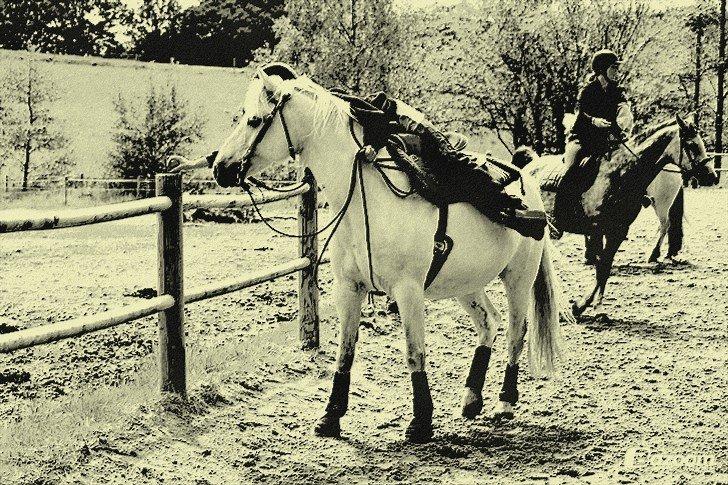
{"type": "Point", "coordinates": [359, 160]}
{"type": "Point", "coordinates": [686, 173]}
{"type": "Point", "coordinates": [694, 165]}
{"type": "Point", "coordinates": [266, 124]}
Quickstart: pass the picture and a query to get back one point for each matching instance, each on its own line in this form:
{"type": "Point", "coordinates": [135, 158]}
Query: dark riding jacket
{"type": "Point", "coordinates": [596, 101]}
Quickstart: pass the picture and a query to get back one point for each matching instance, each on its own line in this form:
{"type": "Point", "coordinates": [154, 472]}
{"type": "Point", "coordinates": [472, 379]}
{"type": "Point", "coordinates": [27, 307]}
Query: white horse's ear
{"type": "Point", "coordinates": [270, 83]}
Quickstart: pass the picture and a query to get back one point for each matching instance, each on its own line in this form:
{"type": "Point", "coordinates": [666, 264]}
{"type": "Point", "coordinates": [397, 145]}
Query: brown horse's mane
{"type": "Point", "coordinates": [652, 130]}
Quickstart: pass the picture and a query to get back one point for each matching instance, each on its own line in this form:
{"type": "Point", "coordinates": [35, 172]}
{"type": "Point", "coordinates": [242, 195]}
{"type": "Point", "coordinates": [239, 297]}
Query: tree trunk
{"type": "Point", "coordinates": [698, 74]}
{"type": "Point", "coordinates": [26, 165]}
{"type": "Point", "coordinates": [721, 86]}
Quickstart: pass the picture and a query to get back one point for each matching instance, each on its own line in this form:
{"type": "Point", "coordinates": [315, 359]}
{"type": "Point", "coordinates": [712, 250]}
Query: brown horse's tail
{"type": "Point", "coordinates": [675, 232]}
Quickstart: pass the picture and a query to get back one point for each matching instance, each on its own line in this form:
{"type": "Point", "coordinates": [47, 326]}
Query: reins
{"type": "Point", "coordinates": [335, 221]}
{"type": "Point", "coordinates": [364, 154]}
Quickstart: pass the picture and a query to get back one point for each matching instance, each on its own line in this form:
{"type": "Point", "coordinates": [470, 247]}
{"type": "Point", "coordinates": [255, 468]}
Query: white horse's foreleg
{"type": "Point", "coordinates": [518, 292]}
{"type": "Point", "coordinates": [411, 301]}
{"type": "Point", "coordinates": [349, 298]}
{"type": "Point", "coordinates": [486, 320]}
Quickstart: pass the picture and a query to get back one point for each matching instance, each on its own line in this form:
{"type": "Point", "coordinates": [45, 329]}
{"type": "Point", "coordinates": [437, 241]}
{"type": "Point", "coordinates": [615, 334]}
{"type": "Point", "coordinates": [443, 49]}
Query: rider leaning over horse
{"type": "Point", "coordinates": [602, 114]}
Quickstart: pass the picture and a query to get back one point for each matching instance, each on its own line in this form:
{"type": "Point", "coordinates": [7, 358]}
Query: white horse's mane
{"type": "Point", "coordinates": [328, 108]}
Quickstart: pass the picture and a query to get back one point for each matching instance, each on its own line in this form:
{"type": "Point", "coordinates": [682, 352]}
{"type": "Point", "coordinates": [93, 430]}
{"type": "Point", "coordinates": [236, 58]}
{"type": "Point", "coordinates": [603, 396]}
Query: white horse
{"type": "Point", "coordinates": [395, 253]}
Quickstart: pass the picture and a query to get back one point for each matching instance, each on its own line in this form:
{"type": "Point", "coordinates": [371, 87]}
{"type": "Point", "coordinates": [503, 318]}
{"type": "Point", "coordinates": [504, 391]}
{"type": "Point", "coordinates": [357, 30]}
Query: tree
{"type": "Point", "coordinates": [226, 32]}
{"type": "Point", "coordinates": [350, 44]}
{"type": "Point", "coordinates": [720, 95]}
{"type": "Point", "coordinates": [148, 133]}
{"type": "Point", "coordinates": [155, 25]}
{"type": "Point", "coordinates": [698, 22]}
{"type": "Point", "coordinates": [62, 26]}
{"type": "Point", "coordinates": [29, 128]}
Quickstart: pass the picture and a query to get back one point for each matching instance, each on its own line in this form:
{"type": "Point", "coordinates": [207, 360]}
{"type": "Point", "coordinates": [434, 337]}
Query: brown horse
{"type": "Point", "coordinates": [605, 210]}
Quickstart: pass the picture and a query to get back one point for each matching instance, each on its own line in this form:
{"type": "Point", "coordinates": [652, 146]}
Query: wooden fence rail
{"type": "Point", "coordinates": [169, 304]}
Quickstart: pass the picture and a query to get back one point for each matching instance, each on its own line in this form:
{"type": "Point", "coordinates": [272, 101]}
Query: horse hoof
{"type": "Point", "coordinates": [392, 308]}
{"type": "Point", "coordinates": [328, 426]}
{"type": "Point", "coordinates": [473, 405]}
{"type": "Point", "coordinates": [503, 411]}
{"type": "Point", "coordinates": [576, 309]}
{"type": "Point", "coordinates": [418, 432]}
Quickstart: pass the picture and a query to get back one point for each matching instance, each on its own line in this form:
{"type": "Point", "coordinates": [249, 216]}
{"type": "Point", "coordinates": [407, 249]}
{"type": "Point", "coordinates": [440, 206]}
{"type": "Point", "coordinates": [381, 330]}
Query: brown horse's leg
{"type": "Point", "coordinates": [594, 245]}
{"type": "Point", "coordinates": [602, 270]}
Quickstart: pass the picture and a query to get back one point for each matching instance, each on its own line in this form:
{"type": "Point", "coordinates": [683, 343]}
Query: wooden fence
{"type": "Point", "coordinates": [172, 296]}
{"type": "Point", "coordinates": [138, 187]}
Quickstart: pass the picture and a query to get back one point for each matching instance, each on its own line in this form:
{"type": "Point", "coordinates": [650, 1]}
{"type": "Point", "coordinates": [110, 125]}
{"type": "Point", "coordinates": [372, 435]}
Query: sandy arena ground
{"type": "Point", "coordinates": [641, 394]}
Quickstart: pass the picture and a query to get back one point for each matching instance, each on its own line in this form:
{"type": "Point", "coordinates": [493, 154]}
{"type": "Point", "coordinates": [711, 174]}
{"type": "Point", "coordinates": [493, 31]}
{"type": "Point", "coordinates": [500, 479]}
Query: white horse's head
{"type": "Point", "coordinates": [259, 137]}
{"type": "Point", "coordinates": [281, 111]}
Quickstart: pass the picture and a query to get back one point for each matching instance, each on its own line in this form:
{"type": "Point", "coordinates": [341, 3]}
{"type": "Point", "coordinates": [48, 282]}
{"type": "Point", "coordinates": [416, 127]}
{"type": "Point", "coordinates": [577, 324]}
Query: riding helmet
{"type": "Point", "coordinates": [601, 60]}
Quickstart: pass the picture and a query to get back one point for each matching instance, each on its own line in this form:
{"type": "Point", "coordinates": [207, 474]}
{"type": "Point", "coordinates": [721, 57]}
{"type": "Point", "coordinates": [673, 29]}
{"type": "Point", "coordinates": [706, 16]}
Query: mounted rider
{"type": "Point", "coordinates": [603, 120]}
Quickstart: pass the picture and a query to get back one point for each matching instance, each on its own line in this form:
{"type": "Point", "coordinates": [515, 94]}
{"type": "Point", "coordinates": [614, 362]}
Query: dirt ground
{"type": "Point", "coordinates": [640, 396]}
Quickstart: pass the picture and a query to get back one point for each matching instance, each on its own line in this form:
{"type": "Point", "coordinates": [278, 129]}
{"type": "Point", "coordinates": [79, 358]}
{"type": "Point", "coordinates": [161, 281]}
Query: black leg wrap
{"type": "Point", "coordinates": [339, 399]}
{"type": "Point", "coordinates": [478, 368]}
{"type": "Point", "coordinates": [421, 399]}
{"type": "Point", "coordinates": [420, 428]}
{"type": "Point", "coordinates": [509, 392]}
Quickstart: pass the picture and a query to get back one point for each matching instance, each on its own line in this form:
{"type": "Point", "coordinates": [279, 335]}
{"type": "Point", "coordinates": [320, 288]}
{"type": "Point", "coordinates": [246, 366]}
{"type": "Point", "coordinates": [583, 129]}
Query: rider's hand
{"type": "Point", "coordinates": [176, 163]}
{"type": "Point", "coordinates": [601, 123]}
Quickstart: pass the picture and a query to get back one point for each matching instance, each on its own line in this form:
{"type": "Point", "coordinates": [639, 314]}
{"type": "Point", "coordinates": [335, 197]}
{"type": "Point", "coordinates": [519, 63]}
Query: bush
{"type": "Point", "coordinates": [149, 132]}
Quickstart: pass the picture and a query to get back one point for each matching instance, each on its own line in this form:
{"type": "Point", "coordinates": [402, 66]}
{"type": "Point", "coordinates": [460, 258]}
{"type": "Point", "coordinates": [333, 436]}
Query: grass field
{"type": "Point", "coordinates": [87, 86]}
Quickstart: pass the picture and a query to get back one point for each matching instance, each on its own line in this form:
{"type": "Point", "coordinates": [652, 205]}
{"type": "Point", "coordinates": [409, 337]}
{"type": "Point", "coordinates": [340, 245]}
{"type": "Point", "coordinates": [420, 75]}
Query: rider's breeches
{"type": "Point", "coordinates": [574, 152]}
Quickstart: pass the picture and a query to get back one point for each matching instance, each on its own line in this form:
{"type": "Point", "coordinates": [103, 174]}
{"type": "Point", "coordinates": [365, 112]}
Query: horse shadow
{"type": "Point", "coordinates": [601, 322]}
{"type": "Point", "coordinates": [502, 448]}
{"type": "Point", "coordinates": [629, 269]}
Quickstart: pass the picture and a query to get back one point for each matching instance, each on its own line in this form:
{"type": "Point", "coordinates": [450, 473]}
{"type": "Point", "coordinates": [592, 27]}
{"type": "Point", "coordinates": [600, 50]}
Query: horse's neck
{"type": "Point", "coordinates": [330, 156]}
{"type": "Point", "coordinates": [650, 160]}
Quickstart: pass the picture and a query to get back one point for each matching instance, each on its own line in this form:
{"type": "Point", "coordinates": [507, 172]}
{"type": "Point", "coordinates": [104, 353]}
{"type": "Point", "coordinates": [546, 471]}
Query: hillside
{"type": "Point", "coordinates": [87, 87]}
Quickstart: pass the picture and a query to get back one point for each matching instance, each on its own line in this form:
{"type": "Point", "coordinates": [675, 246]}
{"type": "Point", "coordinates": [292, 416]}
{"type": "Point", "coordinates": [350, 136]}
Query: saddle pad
{"type": "Point", "coordinates": [548, 170]}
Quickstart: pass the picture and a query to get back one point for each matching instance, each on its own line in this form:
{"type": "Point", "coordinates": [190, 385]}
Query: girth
{"type": "Point", "coordinates": [442, 246]}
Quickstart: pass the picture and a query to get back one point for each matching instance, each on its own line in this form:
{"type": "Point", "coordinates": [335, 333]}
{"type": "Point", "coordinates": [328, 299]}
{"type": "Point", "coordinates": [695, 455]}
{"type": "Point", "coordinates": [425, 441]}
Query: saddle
{"type": "Point", "coordinates": [439, 172]}
{"type": "Point", "coordinates": [569, 184]}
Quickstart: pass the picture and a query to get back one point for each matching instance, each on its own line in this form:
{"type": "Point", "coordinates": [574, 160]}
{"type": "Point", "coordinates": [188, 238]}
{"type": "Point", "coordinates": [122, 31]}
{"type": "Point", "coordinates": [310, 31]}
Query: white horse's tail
{"type": "Point", "coordinates": [544, 335]}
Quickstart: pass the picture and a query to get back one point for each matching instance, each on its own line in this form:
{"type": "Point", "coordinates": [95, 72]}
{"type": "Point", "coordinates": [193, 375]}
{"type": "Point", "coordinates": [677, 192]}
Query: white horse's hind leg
{"type": "Point", "coordinates": [486, 320]}
{"type": "Point", "coordinates": [662, 231]}
{"type": "Point", "coordinates": [349, 298]}
{"type": "Point", "coordinates": [411, 301]}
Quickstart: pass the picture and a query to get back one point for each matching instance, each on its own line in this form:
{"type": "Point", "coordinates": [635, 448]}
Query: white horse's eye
{"type": "Point", "coordinates": [254, 121]}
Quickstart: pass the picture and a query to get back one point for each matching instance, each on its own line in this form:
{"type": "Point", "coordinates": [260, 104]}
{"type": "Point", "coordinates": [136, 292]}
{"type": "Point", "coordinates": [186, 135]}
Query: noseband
{"type": "Point", "coordinates": [694, 166]}
{"type": "Point", "coordinates": [267, 122]}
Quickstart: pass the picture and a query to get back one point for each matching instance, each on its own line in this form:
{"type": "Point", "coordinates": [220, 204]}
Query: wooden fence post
{"type": "Point", "coordinates": [65, 190]}
{"type": "Point", "coordinates": [308, 293]}
{"type": "Point", "coordinates": [138, 186]}
{"type": "Point", "coordinates": [172, 361]}
{"type": "Point", "coordinates": [7, 183]}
